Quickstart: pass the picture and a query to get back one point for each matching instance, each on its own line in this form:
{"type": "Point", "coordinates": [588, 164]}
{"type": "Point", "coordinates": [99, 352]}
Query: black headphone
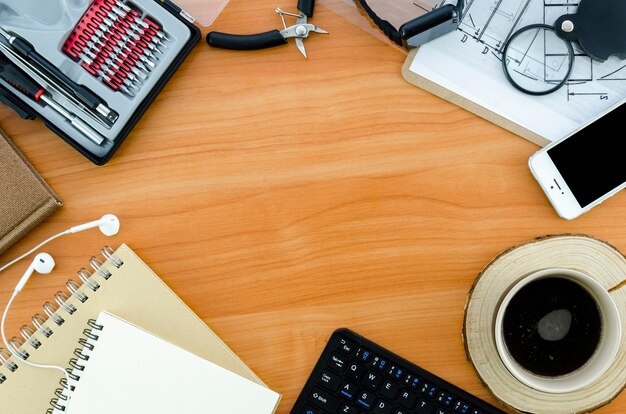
{"type": "Point", "coordinates": [423, 29]}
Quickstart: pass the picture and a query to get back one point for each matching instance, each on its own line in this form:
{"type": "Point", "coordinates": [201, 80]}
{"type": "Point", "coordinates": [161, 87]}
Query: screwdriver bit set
{"type": "Point", "coordinates": [89, 69]}
{"type": "Point", "coordinates": [117, 44]}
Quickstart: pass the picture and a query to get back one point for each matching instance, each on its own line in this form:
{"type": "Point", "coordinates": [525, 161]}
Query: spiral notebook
{"type": "Point", "coordinates": [137, 382]}
{"type": "Point", "coordinates": [124, 285]}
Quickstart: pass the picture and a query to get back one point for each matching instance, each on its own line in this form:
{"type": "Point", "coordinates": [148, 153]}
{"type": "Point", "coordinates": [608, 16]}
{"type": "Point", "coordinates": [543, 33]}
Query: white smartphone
{"type": "Point", "coordinates": [582, 170]}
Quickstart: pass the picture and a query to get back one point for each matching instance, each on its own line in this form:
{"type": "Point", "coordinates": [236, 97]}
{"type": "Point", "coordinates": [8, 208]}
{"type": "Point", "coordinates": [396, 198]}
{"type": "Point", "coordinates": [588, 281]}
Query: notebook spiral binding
{"type": "Point", "coordinates": [76, 365]}
{"type": "Point", "coordinates": [53, 313]}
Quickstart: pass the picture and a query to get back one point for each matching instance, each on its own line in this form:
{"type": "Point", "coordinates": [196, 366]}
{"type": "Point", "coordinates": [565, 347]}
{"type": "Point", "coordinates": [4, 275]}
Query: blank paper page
{"type": "Point", "coordinates": [133, 371]}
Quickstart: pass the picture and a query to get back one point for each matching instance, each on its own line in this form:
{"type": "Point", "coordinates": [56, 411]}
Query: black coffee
{"type": "Point", "coordinates": [552, 326]}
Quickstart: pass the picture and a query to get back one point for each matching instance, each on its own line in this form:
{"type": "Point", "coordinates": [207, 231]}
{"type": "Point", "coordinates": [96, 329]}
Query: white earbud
{"type": "Point", "coordinates": [43, 264]}
{"type": "Point", "coordinates": [109, 225]}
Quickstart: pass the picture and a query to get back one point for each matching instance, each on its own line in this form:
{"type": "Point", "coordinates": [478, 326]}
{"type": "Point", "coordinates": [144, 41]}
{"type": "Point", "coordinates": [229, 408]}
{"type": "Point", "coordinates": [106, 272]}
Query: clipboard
{"type": "Point", "coordinates": [467, 104]}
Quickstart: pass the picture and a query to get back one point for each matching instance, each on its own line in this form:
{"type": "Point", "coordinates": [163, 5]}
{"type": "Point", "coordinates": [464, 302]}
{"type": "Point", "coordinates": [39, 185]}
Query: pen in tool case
{"type": "Point", "coordinates": [19, 80]}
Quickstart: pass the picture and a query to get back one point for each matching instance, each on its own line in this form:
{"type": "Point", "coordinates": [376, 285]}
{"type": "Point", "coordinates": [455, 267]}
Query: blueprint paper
{"type": "Point", "coordinates": [468, 62]}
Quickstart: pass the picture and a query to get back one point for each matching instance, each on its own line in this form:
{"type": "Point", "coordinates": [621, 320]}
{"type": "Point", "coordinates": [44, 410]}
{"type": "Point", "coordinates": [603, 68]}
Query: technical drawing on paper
{"type": "Point", "coordinates": [469, 63]}
{"type": "Point", "coordinates": [493, 25]}
{"type": "Point", "coordinates": [618, 74]}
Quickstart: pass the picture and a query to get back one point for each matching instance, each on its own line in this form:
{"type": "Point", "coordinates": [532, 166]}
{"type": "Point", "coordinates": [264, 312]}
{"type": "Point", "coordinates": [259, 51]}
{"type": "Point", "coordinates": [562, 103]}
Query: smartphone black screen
{"type": "Point", "coordinates": [593, 160]}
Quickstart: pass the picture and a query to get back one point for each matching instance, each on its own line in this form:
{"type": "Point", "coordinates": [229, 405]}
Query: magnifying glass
{"type": "Point", "coordinates": [536, 60]}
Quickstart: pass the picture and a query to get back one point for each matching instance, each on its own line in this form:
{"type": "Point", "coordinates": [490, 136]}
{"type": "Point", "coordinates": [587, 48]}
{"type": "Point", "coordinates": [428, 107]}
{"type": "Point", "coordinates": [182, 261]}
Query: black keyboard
{"type": "Point", "coordinates": [356, 376]}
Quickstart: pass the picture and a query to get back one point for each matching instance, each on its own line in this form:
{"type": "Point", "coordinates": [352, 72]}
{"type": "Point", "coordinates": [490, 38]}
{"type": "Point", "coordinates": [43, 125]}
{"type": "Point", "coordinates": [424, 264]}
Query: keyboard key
{"type": "Point", "coordinates": [379, 363]}
{"type": "Point", "coordinates": [324, 400]}
{"type": "Point", "coordinates": [424, 407]}
{"type": "Point", "coordinates": [363, 354]}
{"type": "Point", "coordinates": [366, 399]}
{"type": "Point", "coordinates": [400, 411]}
{"type": "Point", "coordinates": [477, 411]}
{"type": "Point", "coordinates": [355, 372]}
{"type": "Point", "coordinates": [337, 362]}
{"type": "Point", "coordinates": [395, 372]}
{"type": "Point", "coordinates": [348, 390]}
{"type": "Point", "coordinates": [462, 407]}
{"type": "Point", "coordinates": [429, 389]}
{"type": "Point", "coordinates": [348, 409]}
{"type": "Point", "coordinates": [330, 380]}
{"type": "Point", "coordinates": [309, 410]}
{"type": "Point", "coordinates": [382, 407]}
{"type": "Point", "coordinates": [372, 380]}
{"type": "Point", "coordinates": [441, 411]}
{"type": "Point", "coordinates": [445, 399]}
{"type": "Point", "coordinates": [389, 390]}
{"type": "Point", "coordinates": [407, 399]}
{"type": "Point", "coordinates": [345, 346]}
{"type": "Point", "coordinates": [412, 381]}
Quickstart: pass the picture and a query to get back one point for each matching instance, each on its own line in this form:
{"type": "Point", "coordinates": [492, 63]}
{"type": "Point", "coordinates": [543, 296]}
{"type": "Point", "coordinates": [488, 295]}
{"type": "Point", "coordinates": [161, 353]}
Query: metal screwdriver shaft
{"type": "Point", "coordinates": [75, 121]}
{"type": "Point", "coordinates": [19, 80]}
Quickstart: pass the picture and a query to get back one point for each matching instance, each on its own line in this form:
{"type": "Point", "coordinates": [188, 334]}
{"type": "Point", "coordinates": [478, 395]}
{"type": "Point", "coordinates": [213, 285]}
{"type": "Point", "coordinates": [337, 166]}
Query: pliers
{"type": "Point", "coordinates": [299, 31]}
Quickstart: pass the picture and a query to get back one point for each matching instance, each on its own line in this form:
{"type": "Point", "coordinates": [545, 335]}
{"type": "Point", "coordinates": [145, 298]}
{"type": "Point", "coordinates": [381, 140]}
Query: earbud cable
{"type": "Point", "coordinates": [31, 251]}
{"type": "Point", "coordinates": [18, 356]}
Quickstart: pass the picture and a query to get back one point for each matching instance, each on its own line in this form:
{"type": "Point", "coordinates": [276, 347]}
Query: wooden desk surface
{"type": "Point", "coordinates": [282, 198]}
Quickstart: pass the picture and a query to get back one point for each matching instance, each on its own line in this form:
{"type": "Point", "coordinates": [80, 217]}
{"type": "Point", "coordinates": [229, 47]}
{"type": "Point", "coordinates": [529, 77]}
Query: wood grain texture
{"type": "Point", "coordinates": [282, 198]}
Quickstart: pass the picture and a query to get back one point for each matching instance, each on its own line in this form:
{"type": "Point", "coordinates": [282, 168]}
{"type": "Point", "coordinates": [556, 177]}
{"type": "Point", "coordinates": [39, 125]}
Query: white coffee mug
{"type": "Point", "coordinates": [602, 358]}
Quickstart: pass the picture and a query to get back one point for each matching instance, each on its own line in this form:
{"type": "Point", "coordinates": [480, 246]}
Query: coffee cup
{"type": "Point", "coordinates": [557, 330]}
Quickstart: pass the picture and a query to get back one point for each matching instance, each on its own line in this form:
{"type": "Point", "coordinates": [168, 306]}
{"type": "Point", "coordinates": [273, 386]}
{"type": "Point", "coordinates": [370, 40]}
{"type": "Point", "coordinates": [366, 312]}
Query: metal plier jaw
{"type": "Point", "coordinates": [300, 30]}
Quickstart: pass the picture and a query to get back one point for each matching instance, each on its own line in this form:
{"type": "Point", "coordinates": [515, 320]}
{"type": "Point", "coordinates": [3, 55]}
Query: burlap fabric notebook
{"type": "Point", "coordinates": [25, 198]}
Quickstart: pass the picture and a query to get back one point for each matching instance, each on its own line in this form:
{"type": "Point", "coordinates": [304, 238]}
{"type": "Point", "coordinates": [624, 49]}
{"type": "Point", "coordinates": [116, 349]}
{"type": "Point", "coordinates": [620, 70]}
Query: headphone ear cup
{"type": "Point", "coordinates": [110, 225]}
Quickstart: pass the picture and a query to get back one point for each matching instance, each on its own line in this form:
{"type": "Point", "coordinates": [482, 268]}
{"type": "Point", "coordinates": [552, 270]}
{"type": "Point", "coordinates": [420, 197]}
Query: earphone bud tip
{"type": "Point", "coordinates": [43, 263]}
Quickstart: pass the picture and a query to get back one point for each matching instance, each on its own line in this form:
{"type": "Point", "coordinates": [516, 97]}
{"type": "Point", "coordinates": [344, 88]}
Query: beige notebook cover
{"type": "Point", "coordinates": [132, 292]}
{"type": "Point", "coordinates": [25, 198]}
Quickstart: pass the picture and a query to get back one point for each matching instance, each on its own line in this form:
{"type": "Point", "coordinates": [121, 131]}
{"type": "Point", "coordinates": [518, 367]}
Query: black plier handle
{"type": "Point", "coordinates": [299, 31]}
{"type": "Point", "coordinates": [246, 42]}
{"type": "Point", "coordinates": [306, 7]}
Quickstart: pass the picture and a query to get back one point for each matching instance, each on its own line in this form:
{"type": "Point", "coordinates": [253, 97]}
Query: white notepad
{"type": "Point", "coordinates": [129, 370]}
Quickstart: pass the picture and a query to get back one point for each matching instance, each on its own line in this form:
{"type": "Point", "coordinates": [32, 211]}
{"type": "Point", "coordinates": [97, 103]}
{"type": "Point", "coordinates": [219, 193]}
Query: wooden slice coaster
{"type": "Point", "coordinates": [597, 259]}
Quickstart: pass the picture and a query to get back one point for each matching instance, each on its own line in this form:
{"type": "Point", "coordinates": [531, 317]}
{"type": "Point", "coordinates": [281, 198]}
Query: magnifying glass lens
{"type": "Point", "coordinates": [537, 61]}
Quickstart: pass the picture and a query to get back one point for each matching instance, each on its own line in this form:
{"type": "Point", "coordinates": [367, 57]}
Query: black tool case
{"type": "Point", "coordinates": [49, 30]}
